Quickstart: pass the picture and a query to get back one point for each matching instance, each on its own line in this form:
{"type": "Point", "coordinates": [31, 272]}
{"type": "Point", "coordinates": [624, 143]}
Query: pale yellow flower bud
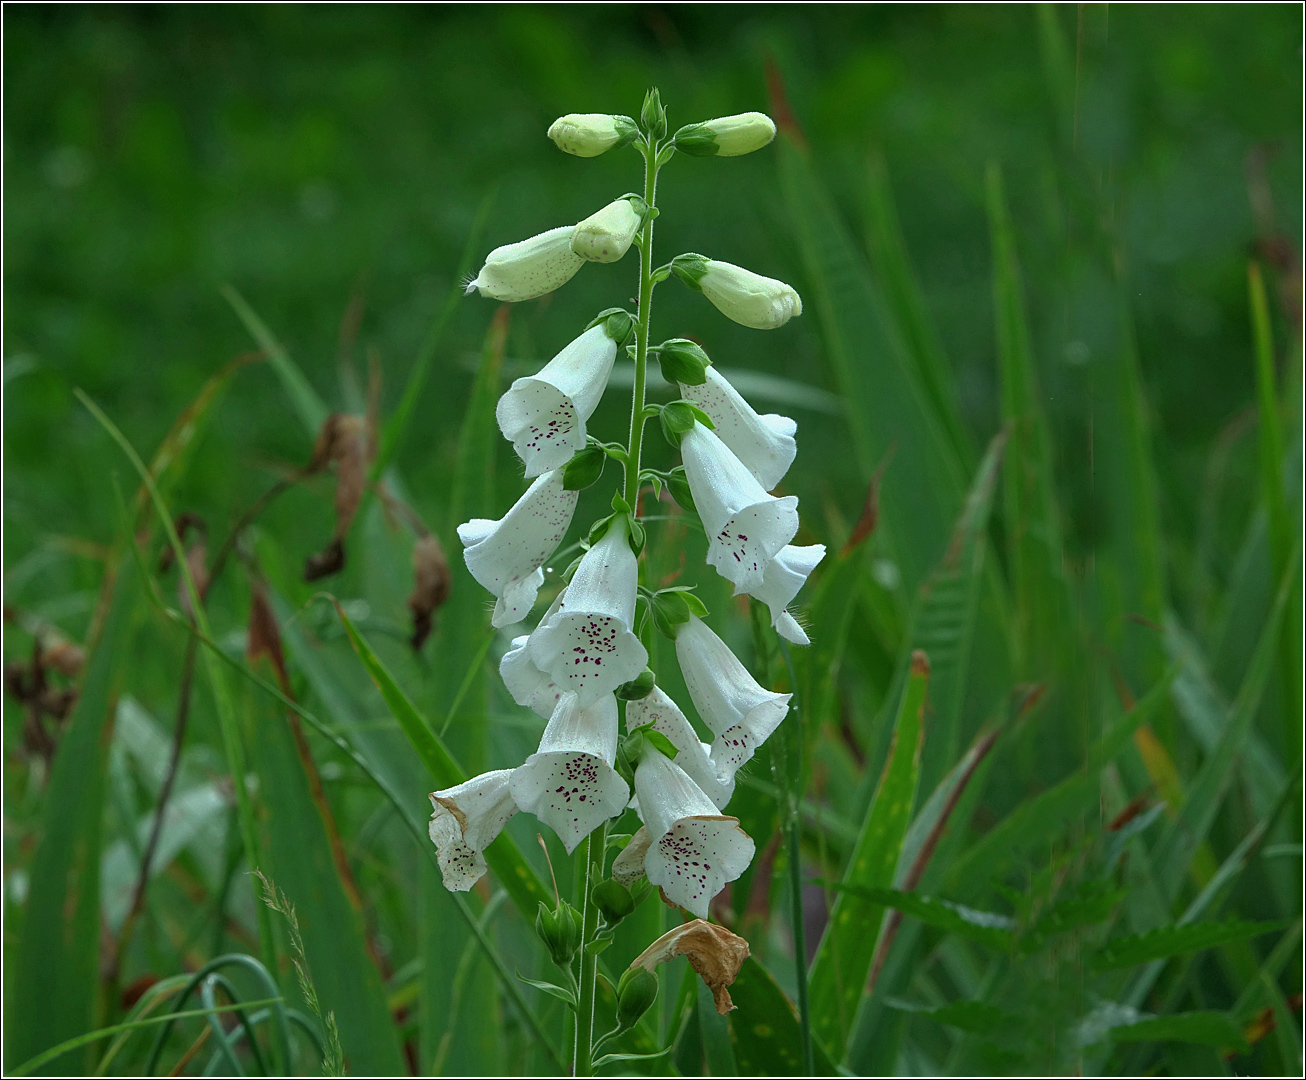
{"type": "Point", "coordinates": [591, 134]}
{"type": "Point", "coordinates": [605, 236]}
{"type": "Point", "coordinates": [529, 268]}
{"type": "Point", "coordinates": [749, 299]}
{"type": "Point", "coordinates": [726, 136]}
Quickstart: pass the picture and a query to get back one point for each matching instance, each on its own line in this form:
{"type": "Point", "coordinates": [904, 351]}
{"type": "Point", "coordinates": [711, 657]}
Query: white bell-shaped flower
{"type": "Point", "coordinates": [544, 415]}
{"type": "Point", "coordinates": [747, 298]}
{"type": "Point", "coordinates": [746, 527]}
{"type": "Point", "coordinates": [528, 268]}
{"type": "Point", "coordinates": [606, 235]}
{"type": "Point", "coordinates": [588, 644]}
{"type": "Point", "coordinates": [528, 685]}
{"type": "Point", "coordinates": [466, 820]}
{"type": "Point", "coordinates": [569, 782]}
{"type": "Point", "coordinates": [505, 556]}
{"type": "Point", "coordinates": [664, 714]}
{"type": "Point", "coordinates": [731, 702]}
{"type": "Point", "coordinates": [695, 849]}
{"type": "Point", "coordinates": [785, 575]}
{"type": "Point", "coordinates": [763, 443]}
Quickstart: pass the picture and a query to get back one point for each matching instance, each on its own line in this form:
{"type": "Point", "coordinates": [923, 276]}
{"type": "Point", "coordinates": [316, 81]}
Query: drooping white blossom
{"type": "Point", "coordinates": [569, 783]}
{"type": "Point", "coordinates": [544, 415]}
{"type": "Point", "coordinates": [588, 644]}
{"type": "Point", "coordinates": [466, 819]}
{"type": "Point", "coordinates": [741, 713]}
{"type": "Point", "coordinates": [749, 299]}
{"type": "Point", "coordinates": [606, 235]}
{"type": "Point", "coordinates": [505, 556]}
{"type": "Point", "coordinates": [528, 685]}
{"type": "Point", "coordinates": [785, 575]}
{"type": "Point", "coordinates": [664, 714]}
{"type": "Point", "coordinates": [695, 850]}
{"type": "Point", "coordinates": [528, 268]}
{"type": "Point", "coordinates": [746, 526]}
{"type": "Point", "coordinates": [764, 444]}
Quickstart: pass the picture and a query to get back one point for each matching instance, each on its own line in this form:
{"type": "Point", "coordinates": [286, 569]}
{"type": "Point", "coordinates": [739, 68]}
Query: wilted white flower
{"type": "Point", "coordinates": [746, 527]}
{"type": "Point", "coordinates": [544, 414]}
{"type": "Point", "coordinates": [588, 645]}
{"type": "Point", "coordinates": [695, 850]}
{"type": "Point", "coordinates": [731, 702]}
{"type": "Point", "coordinates": [569, 782]}
{"type": "Point", "coordinates": [528, 268]}
{"type": "Point", "coordinates": [763, 443]}
{"type": "Point", "coordinates": [466, 820]}
{"type": "Point", "coordinates": [591, 134]}
{"type": "Point", "coordinates": [726, 136]}
{"type": "Point", "coordinates": [606, 235]}
{"type": "Point", "coordinates": [785, 575]}
{"type": "Point", "coordinates": [505, 556]}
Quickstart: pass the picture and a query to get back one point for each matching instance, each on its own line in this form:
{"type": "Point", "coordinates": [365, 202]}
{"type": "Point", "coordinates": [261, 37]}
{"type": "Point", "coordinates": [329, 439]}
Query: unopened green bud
{"type": "Point", "coordinates": [683, 361]}
{"type": "Point", "coordinates": [639, 687]}
{"type": "Point", "coordinates": [636, 991]}
{"type": "Point", "coordinates": [560, 931]}
{"type": "Point", "coordinates": [653, 117]}
{"type": "Point", "coordinates": [613, 900]}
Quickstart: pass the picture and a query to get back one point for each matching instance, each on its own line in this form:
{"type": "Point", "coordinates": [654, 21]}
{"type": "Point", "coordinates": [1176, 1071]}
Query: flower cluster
{"type": "Point", "coordinates": [586, 660]}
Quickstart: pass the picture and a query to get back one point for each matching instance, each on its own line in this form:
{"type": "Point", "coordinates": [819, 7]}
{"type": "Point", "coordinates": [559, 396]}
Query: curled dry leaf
{"type": "Point", "coordinates": [342, 440]}
{"type": "Point", "coordinates": [431, 580]}
{"type": "Point", "coordinates": [713, 951]}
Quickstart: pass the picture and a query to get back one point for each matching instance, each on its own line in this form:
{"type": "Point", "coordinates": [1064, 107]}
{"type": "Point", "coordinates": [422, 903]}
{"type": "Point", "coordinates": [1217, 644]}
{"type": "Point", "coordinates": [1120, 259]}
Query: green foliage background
{"type": "Point", "coordinates": [1036, 220]}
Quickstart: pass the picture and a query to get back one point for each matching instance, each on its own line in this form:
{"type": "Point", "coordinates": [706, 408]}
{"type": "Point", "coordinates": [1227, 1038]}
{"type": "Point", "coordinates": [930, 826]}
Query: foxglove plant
{"type": "Point", "coordinates": [585, 662]}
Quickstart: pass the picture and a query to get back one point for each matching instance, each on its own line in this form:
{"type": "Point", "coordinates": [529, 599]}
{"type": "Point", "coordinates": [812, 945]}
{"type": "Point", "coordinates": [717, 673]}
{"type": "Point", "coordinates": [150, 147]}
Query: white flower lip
{"type": "Point", "coordinates": [664, 714]}
{"type": "Point", "coordinates": [528, 685]}
{"type": "Point", "coordinates": [569, 782]}
{"type": "Point", "coordinates": [695, 850]}
{"type": "Point", "coordinates": [739, 711]}
{"type": "Point", "coordinates": [466, 820]}
{"type": "Point", "coordinates": [529, 268]}
{"type": "Point", "coordinates": [606, 235]}
{"type": "Point", "coordinates": [749, 299]}
{"type": "Point", "coordinates": [585, 134]}
{"type": "Point", "coordinates": [785, 575]}
{"type": "Point", "coordinates": [588, 645]}
{"type": "Point", "coordinates": [763, 443]}
{"type": "Point", "coordinates": [505, 556]}
{"type": "Point", "coordinates": [544, 415]}
{"type": "Point", "coordinates": [747, 526]}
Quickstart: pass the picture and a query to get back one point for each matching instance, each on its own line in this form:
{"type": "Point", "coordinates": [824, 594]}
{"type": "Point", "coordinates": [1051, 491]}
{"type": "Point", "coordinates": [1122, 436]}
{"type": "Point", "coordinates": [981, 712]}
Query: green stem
{"type": "Point", "coordinates": [595, 847]}
{"type": "Point", "coordinates": [637, 416]}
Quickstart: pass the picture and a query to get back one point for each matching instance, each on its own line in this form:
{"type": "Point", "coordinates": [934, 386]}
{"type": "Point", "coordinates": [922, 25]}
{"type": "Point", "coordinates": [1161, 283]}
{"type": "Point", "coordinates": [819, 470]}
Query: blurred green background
{"type": "Point", "coordinates": [332, 163]}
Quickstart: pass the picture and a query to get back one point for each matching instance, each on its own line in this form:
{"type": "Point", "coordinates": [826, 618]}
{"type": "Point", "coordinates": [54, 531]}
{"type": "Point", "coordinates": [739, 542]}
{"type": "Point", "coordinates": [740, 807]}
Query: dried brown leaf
{"type": "Point", "coordinates": [431, 582]}
{"type": "Point", "coordinates": [713, 951]}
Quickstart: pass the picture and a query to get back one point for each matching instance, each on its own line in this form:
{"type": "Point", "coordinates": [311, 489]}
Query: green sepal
{"type": "Point", "coordinates": [673, 607]}
{"type": "Point", "coordinates": [627, 129]}
{"type": "Point", "coordinates": [619, 504]}
{"type": "Point", "coordinates": [584, 469]}
{"type": "Point", "coordinates": [690, 268]}
{"type": "Point", "coordinates": [639, 687]}
{"type": "Point", "coordinates": [613, 899]}
{"type": "Point", "coordinates": [678, 485]}
{"type": "Point", "coordinates": [599, 529]}
{"type": "Point", "coordinates": [637, 990]}
{"type": "Point", "coordinates": [696, 140]}
{"type": "Point", "coordinates": [683, 361]}
{"type": "Point", "coordinates": [666, 154]}
{"type": "Point", "coordinates": [654, 480]}
{"type": "Point", "coordinates": [636, 535]}
{"type": "Point", "coordinates": [634, 744]}
{"type": "Point", "coordinates": [618, 323]}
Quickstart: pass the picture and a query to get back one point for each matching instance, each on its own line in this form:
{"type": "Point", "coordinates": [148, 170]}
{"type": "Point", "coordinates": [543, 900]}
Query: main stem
{"type": "Point", "coordinates": [641, 328]}
{"type": "Point", "coordinates": [595, 847]}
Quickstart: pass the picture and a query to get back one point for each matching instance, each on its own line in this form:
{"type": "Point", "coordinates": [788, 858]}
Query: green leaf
{"type": "Point", "coordinates": [301, 863]}
{"type": "Point", "coordinates": [843, 958]}
{"type": "Point", "coordinates": [52, 987]}
{"type": "Point", "coordinates": [982, 927]}
{"type": "Point", "coordinates": [977, 1017]}
{"type": "Point", "coordinates": [1205, 1028]}
{"type": "Point", "coordinates": [764, 1027]}
{"type": "Point", "coordinates": [560, 992]}
{"type": "Point", "coordinates": [1170, 941]}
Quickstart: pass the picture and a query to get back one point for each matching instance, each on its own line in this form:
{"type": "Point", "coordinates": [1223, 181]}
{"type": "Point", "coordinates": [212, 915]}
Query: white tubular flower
{"type": "Point", "coordinates": [664, 714]}
{"type": "Point", "coordinates": [544, 415]}
{"type": "Point", "coordinates": [695, 850]}
{"type": "Point", "coordinates": [746, 526]}
{"type": "Point", "coordinates": [727, 136]}
{"type": "Point", "coordinates": [727, 697]}
{"type": "Point", "coordinates": [785, 575]}
{"type": "Point", "coordinates": [505, 556]}
{"type": "Point", "coordinates": [588, 645]}
{"type": "Point", "coordinates": [749, 299]}
{"type": "Point", "coordinates": [528, 268]}
{"type": "Point", "coordinates": [569, 783]}
{"type": "Point", "coordinates": [764, 444]}
{"type": "Point", "coordinates": [527, 684]}
{"type": "Point", "coordinates": [606, 235]}
{"type": "Point", "coordinates": [467, 818]}
{"type": "Point", "coordinates": [591, 134]}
